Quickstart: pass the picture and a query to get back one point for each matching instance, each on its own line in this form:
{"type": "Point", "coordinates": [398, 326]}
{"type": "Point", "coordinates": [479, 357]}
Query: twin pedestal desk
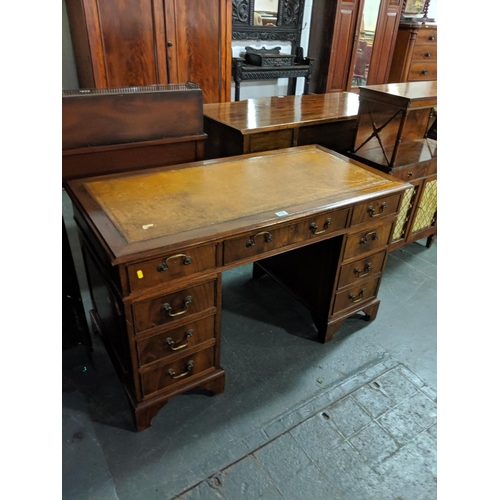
{"type": "Point", "coordinates": [156, 241]}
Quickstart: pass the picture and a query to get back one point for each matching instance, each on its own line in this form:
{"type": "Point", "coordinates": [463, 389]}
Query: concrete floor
{"type": "Point", "coordinates": [352, 419]}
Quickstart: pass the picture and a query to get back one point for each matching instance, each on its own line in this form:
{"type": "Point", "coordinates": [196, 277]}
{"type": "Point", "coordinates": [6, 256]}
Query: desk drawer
{"type": "Point", "coordinates": [169, 267]}
{"type": "Point", "coordinates": [412, 173]}
{"type": "Point", "coordinates": [422, 70]}
{"type": "Point", "coordinates": [374, 209]}
{"type": "Point", "coordinates": [361, 269]}
{"type": "Point", "coordinates": [175, 341]}
{"type": "Point", "coordinates": [170, 307]}
{"type": "Point", "coordinates": [355, 296]}
{"type": "Point", "coordinates": [264, 241]}
{"type": "Point", "coordinates": [177, 372]}
{"type": "Point", "coordinates": [368, 240]}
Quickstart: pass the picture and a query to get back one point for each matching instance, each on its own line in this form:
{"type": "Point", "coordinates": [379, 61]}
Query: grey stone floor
{"type": "Point", "coordinates": [352, 419]}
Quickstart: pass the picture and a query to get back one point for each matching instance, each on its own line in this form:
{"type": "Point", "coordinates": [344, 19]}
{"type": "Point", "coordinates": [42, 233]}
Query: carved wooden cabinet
{"type": "Point", "coordinates": [352, 42]}
{"type": "Point", "coordinates": [391, 135]}
{"type": "Point", "coordinates": [415, 55]}
{"type": "Point", "coordinates": [122, 43]}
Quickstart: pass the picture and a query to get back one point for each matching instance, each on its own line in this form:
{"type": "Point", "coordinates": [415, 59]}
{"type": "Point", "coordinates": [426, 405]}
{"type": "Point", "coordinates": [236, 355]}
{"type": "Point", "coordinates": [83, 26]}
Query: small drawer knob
{"type": "Point", "coordinates": [428, 54]}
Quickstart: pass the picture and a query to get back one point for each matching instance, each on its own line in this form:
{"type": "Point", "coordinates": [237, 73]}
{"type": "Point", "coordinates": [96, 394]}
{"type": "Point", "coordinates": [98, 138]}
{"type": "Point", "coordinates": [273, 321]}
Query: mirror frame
{"type": "Point", "coordinates": [288, 26]}
{"type": "Point", "coordinates": [407, 12]}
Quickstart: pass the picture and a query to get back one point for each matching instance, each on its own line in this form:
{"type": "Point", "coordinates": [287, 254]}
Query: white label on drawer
{"type": "Point", "coordinates": [282, 213]}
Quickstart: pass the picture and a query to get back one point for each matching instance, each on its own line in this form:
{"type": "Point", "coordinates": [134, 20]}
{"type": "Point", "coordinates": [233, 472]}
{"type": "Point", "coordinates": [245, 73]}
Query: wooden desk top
{"type": "Point", "coordinates": [273, 113]}
{"type": "Point", "coordinates": [173, 207]}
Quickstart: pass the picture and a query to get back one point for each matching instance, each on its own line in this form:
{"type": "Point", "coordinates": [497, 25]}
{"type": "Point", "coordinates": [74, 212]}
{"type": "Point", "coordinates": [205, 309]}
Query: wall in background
{"type": "Point", "coordinates": [69, 76]}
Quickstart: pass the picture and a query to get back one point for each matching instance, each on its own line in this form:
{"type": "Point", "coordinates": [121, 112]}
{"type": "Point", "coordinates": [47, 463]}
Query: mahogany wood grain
{"type": "Point", "coordinates": [130, 221]}
{"type": "Point", "coordinates": [153, 313]}
{"type": "Point", "coordinates": [268, 123]}
{"type": "Point", "coordinates": [237, 192]}
{"type": "Point", "coordinates": [170, 343]}
{"type": "Point", "coordinates": [109, 130]}
{"type": "Point", "coordinates": [415, 53]}
{"type": "Point", "coordinates": [120, 43]}
{"type": "Point", "coordinates": [335, 27]}
{"type": "Point", "coordinates": [392, 136]}
{"type": "Point", "coordinates": [178, 372]}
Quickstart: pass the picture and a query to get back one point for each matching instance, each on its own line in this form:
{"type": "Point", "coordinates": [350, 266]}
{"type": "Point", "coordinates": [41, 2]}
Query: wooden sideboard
{"type": "Point", "coordinates": [415, 54]}
{"type": "Point", "coordinates": [268, 123]}
{"type": "Point", "coordinates": [392, 135]}
{"type": "Point", "coordinates": [155, 244]}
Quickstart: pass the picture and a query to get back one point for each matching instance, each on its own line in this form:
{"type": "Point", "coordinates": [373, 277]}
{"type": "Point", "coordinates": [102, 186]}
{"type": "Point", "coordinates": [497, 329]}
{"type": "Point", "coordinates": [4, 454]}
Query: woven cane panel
{"type": "Point", "coordinates": [400, 227]}
{"type": "Point", "coordinates": [426, 211]}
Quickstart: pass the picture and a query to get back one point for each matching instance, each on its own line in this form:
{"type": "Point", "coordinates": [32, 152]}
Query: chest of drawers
{"type": "Point", "coordinates": [415, 53]}
{"type": "Point", "coordinates": [156, 243]}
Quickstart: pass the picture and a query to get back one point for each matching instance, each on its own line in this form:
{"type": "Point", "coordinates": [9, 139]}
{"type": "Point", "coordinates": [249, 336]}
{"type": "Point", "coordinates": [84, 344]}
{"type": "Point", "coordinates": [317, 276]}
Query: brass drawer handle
{"type": "Point", "coordinates": [314, 228]}
{"type": "Point", "coordinates": [409, 174]}
{"type": "Point", "coordinates": [171, 343]}
{"type": "Point", "coordinates": [355, 299]}
{"type": "Point", "coordinates": [371, 210]}
{"type": "Point", "coordinates": [267, 238]}
{"type": "Point", "coordinates": [364, 239]}
{"type": "Point", "coordinates": [189, 366]}
{"type": "Point", "coordinates": [168, 308]}
{"type": "Point", "coordinates": [367, 269]}
{"type": "Point", "coordinates": [164, 266]}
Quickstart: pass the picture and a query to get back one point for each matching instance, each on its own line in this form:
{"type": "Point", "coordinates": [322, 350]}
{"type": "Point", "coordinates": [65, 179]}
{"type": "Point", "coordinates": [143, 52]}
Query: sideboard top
{"type": "Point", "coordinates": [410, 94]}
{"type": "Point", "coordinates": [280, 112]}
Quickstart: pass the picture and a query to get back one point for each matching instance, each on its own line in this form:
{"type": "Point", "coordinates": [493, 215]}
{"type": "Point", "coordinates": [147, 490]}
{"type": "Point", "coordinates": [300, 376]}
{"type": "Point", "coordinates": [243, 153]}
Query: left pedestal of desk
{"type": "Point", "coordinates": [160, 322]}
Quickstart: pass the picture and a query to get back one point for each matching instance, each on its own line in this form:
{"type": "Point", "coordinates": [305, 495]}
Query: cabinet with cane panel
{"type": "Point", "coordinates": [391, 135]}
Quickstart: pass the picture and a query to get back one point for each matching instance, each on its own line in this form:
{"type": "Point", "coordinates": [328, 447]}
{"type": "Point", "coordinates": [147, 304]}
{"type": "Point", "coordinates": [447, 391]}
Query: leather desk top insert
{"type": "Point", "coordinates": [159, 239]}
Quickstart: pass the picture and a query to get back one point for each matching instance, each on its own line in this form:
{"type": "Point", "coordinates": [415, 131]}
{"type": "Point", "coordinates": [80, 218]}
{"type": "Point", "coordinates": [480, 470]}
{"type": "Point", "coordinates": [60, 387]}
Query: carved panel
{"type": "Point", "coordinates": [288, 24]}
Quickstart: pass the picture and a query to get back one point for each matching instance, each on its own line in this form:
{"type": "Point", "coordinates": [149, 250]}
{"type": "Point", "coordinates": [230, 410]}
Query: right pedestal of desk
{"type": "Point", "coordinates": [391, 135]}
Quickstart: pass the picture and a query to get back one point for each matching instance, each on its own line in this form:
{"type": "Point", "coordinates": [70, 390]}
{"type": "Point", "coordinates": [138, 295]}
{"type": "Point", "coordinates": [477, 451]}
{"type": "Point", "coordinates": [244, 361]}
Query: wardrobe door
{"type": "Point", "coordinates": [199, 45]}
{"type": "Point", "coordinates": [346, 22]}
{"type": "Point", "coordinates": [118, 43]}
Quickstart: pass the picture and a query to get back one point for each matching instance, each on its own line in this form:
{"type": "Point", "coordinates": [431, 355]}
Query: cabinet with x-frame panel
{"type": "Point", "coordinates": [391, 135]}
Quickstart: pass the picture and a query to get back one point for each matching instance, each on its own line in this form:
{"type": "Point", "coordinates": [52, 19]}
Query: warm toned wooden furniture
{"type": "Point", "coordinates": [268, 123]}
{"type": "Point", "coordinates": [243, 72]}
{"type": "Point", "coordinates": [113, 130]}
{"type": "Point", "coordinates": [415, 54]}
{"type": "Point", "coordinates": [391, 135]}
{"type": "Point", "coordinates": [121, 43]}
{"type": "Point", "coordinates": [349, 51]}
{"type": "Point", "coordinates": [156, 242]}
